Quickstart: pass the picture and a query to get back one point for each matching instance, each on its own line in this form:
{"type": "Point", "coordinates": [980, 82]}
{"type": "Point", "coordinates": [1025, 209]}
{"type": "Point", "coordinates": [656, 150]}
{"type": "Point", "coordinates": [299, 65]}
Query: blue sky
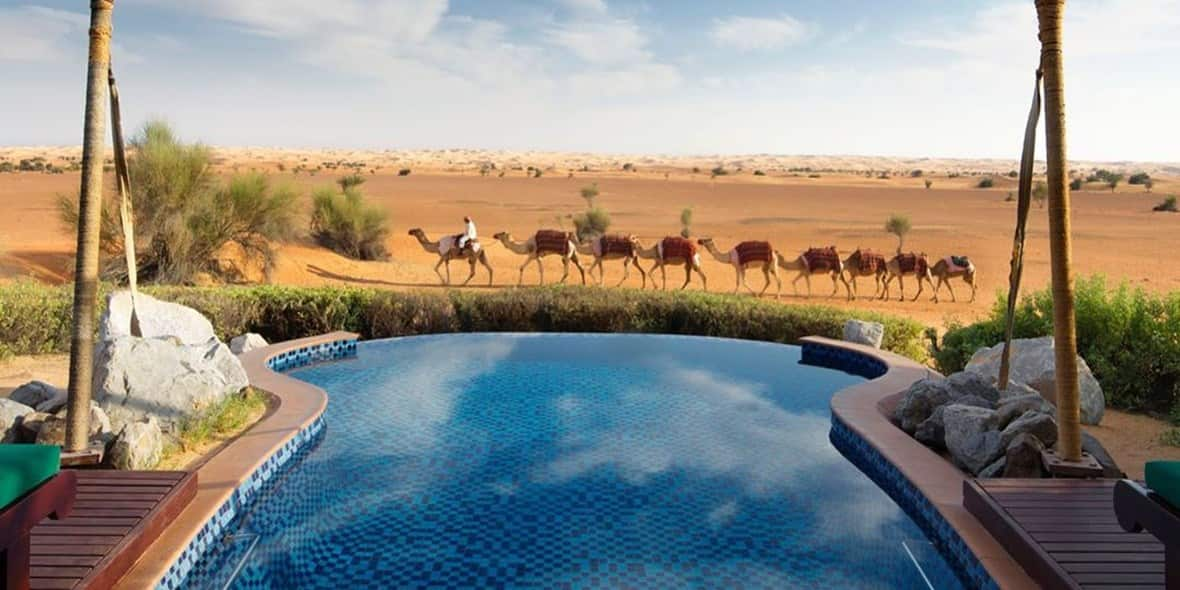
{"type": "Point", "coordinates": [907, 78]}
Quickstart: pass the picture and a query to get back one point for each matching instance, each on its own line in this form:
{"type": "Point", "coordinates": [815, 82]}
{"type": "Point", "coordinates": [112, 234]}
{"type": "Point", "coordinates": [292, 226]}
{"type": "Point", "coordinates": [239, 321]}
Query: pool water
{"type": "Point", "coordinates": [574, 461]}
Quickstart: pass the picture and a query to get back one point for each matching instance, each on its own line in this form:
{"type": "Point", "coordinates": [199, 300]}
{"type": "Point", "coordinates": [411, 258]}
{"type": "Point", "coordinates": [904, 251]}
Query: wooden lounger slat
{"type": "Point", "coordinates": [64, 560]}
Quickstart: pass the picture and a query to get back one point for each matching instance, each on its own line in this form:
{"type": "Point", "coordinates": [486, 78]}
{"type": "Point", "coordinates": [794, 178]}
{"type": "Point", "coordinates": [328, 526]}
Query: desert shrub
{"type": "Point", "coordinates": [985, 182]}
{"type": "Point", "coordinates": [719, 171]}
{"type": "Point", "coordinates": [1139, 178]}
{"type": "Point", "coordinates": [350, 181]}
{"type": "Point", "coordinates": [929, 183]}
{"type": "Point", "coordinates": [1010, 198]}
{"type": "Point", "coordinates": [344, 222]}
{"type": "Point", "coordinates": [898, 225]}
{"type": "Point", "coordinates": [591, 223]}
{"type": "Point", "coordinates": [813, 176]}
{"type": "Point", "coordinates": [184, 217]}
{"type": "Point", "coordinates": [759, 173]}
{"type": "Point", "coordinates": [915, 174]}
{"type": "Point", "coordinates": [1013, 174]}
{"type": "Point", "coordinates": [1076, 184]}
{"type": "Point", "coordinates": [404, 172]}
{"type": "Point", "coordinates": [696, 169]}
{"type": "Point", "coordinates": [1113, 181]}
{"type": "Point", "coordinates": [1129, 337]}
{"type": "Point", "coordinates": [537, 173]}
{"type": "Point", "coordinates": [590, 194]}
{"type": "Point", "coordinates": [1167, 205]}
{"type": "Point", "coordinates": [629, 167]}
{"type": "Point", "coordinates": [686, 222]}
{"type": "Point", "coordinates": [1040, 193]}
{"type": "Point", "coordinates": [7, 167]}
{"type": "Point", "coordinates": [284, 313]}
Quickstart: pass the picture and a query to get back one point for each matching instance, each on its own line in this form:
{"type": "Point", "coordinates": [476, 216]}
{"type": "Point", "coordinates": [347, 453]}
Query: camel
{"type": "Point", "coordinates": [448, 249]}
{"type": "Point", "coordinates": [907, 264]}
{"type": "Point", "coordinates": [813, 262]}
{"type": "Point", "coordinates": [947, 269]}
{"type": "Point", "coordinates": [544, 243]}
{"type": "Point", "coordinates": [613, 247]}
{"type": "Point", "coordinates": [865, 263]}
{"type": "Point", "coordinates": [673, 250]}
{"type": "Point", "coordinates": [747, 255]}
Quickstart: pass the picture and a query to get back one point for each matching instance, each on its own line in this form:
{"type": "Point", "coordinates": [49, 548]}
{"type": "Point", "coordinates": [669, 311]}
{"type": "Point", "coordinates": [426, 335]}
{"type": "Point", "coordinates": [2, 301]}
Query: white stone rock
{"type": "Point", "coordinates": [1033, 364]}
{"type": "Point", "coordinates": [156, 319]}
{"type": "Point", "coordinates": [867, 333]}
{"type": "Point", "coordinates": [246, 343]}
{"type": "Point", "coordinates": [40, 396]}
{"type": "Point", "coordinates": [11, 413]}
{"type": "Point", "coordinates": [137, 378]}
{"type": "Point", "coordinates": [138, 446]}
{"type": "Point", "coordinates": [971, 436]}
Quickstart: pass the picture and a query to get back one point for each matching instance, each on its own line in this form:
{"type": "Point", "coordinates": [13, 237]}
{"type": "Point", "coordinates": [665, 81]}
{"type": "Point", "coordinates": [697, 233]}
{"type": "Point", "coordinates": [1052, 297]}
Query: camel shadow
{"type": "Point", "coordinates": [327, 274]}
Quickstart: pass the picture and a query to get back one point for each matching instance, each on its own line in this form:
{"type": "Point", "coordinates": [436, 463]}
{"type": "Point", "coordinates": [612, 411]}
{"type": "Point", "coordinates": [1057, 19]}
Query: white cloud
{"type": "Point", "coordinates": [37, 33]}
{"type": "Point", "coordinates": [746, 33]}
{"type": "Point", "coordinates": [606, 42]}
{"type": "Point", "coordinates": [586, 6]}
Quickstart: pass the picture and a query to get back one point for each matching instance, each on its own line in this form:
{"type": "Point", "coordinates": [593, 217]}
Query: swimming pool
{"type": "Point", "coordinates": [562, 460]}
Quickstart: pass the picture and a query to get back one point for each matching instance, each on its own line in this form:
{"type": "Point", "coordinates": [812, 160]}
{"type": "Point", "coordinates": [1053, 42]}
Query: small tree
{"type": "Point", "coordinates": [1040, 194]}
{"type": "Point", "coordinates": [590, 194]}
{"type": "Point", "coordinates": [929, 183]}
{"type": "Point", "coordinates": [350, 181]}
{"type": "Point", "coordinates": [404, 172]}
{"type": "Point", "coordinates": [1076, 184]}
{"type": "Point", "coordinates": [1113, 180]}
{"type": "Point", "coordinates": [628, 167]}
{"type": "Point", "coordinates": [1148, 184]}
{"type": "Point", "coordinates": [916, 174]}
{"type": "Point", "coordinates": [592, 223]}
{"type": "Point", "coordinates": [686, 222]}
{"type": "Point", "coordinates": [898, 225]}
{"type": "Point", "coordinates": [986, 182]}
{"type": "Point", "coordinates": [1168, 205]}
{"type": "Point", "coordinates": [1139, 178]}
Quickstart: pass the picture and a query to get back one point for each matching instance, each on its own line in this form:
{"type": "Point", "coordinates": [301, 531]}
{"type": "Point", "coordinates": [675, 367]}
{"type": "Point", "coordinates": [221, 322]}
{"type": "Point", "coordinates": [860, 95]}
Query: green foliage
{"type": "Point", "coordinates": [350, 181]}
{"type": "Point", "coordinates": [898, 225]}
{"type": "Point", "coordinates": [34, 318]}
{"type": "Point", "coordinates": [916, 174]}
{"type": "Point", "coordinates": [1076, 184]}
{"type": "Point", "coordinates": [404, 172]}
{"type": "Point", "coordinates": [719, 171]}
{"type": "Point", "coordinates": [1168, 204]}
{"type": "Point", "coordinates": [1170, 437]}
{"type": "Point", "coordinates": [184, 216]}
{"type": "Point", "coordinates": [686, 222]}
{"type": "Point", "coordinates": [344, 222]}
{"type": "Point", "coordinates": [1040, 193]}
{"type": "Point", "coordinates": [1139, 178]}
{"type": "Point", "coordinates": [1013, 174]}
{"type": "Point", "coordinates": [590, 193]}
{"type": "Point", "coordinates": [223, 418]}
{"type": "Point", "coordinates": [592, 223]}
{"type": "Point", "coordinates": [929, 183]}
{"type": "Point", "coordinates": [7, 167]}
{"type": "Point", "coordinates": [759, 173]}
{"type": "Point", "coordinates": [1129, 337]}
{"type": "Point", "coordinates": [985, 182]}
{"type": "Point", "coordinates": [1113, 181]}
{"type": "Point", "coordinates": [629, 167]}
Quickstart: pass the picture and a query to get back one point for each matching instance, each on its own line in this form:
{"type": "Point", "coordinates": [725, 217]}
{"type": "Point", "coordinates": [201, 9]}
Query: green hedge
{"type": "Point", "coordinates": [1129, 337]}
{"type": "Point", "coordinates": [35, 319]}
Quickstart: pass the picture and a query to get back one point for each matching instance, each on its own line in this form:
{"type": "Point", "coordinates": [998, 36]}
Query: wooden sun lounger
{"type": "Point", "coordinates": [1140, 509]}
{"type": "Point", "coordinates": [53, 499]}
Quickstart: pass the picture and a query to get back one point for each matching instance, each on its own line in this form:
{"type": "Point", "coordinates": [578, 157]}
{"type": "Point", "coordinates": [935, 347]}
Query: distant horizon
{"type": "Point", "coordinates": [605, 76]}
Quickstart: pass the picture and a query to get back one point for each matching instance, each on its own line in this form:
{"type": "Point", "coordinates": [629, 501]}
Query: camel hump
{"type": "Point", "coordinates": [754, 251]}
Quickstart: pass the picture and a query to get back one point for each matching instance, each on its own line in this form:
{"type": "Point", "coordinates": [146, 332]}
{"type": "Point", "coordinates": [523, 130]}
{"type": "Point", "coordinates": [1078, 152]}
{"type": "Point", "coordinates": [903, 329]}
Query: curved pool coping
{"type": "Point", "coordinates": [927, 486]}
{"type": "Point", "coordinates": [228, 480]}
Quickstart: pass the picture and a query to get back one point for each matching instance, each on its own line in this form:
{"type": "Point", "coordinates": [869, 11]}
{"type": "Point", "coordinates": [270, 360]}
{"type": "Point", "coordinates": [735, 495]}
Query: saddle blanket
{"type": "Point", "coordinates": [552, 241]}
{"type": "Point", "coordinates": [448, 243]}
{"type": "Point", "coordinates": [674, 248]}
{"type": "Point", "coordinates": [748, 252]}
{"type": "Point", "coordinates": [912, 263]}
{"type": "Point", "coordinates": [822, 259]}
{"type": "Point", "coordinates": [957, 264]}
{"type": "Point", "coordinates": [614, 245]}
{"type": "Point", "coordinates": [869, 262]}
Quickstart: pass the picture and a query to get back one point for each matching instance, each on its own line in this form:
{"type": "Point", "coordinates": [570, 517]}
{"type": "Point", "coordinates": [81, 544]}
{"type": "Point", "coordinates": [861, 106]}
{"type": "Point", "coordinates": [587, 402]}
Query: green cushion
{"type": "Point", "coordinates": [1163, 477]}
{"type": "Point", "coordinates": [24, 467]}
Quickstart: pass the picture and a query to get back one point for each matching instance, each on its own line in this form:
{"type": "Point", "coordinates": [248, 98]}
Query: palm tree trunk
{"type": "Point", "coordinates": [1050, 14]}
{"type": "Point", "coordinates": [89, 220]}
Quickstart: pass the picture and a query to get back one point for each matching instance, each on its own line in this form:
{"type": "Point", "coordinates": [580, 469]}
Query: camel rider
{"type": "Point", "coordinates": [468, 233]}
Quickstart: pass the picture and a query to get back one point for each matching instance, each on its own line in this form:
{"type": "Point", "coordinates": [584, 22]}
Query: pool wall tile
{"type": "Point", "coordinates": [239, 502]}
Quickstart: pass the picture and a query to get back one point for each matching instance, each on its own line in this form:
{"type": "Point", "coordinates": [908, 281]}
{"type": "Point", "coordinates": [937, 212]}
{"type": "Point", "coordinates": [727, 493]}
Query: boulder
{"type": "Point", "coordinates": [52, 431]}
{"type": "Point", "coordinates": [138, 446]}
{"type": "Point", "coordinates": [1033, 365]}
{"type": "Point", "coordinates": [40, 396]}
{"type": "Point", "coordinates": [1022, 456]}
{"type": "Point", "coordinates": [973, 400]}
{"type": "Point", "coordinates": [137, 378]}
{"type": "Point", "coordinates": [932, 432]}
{"type": "Point", "coordinates": [246, 343]}
{"type": "Point", "coordinates": [30, 426]}
{"type": "Point", "coordinates": [1014, 407]}
{"type": "Point", "coordinates": [964, 384]}
{"type": "Point", "coordinates": [100, 424]}
{"type": "Point", "coordinates": [1042, 426]}
{"type": "Point", "coordinates": [1110, 469]}
{"type": "Point", "coordinates": [156, 319]}
{"type": "Point", "coordinates": [919, 401]}
{"type": "Point", "coordinates": [867, 333]}
{"type": "Point", "coordinates": [1017, 389]}
{"type": "Point", "coordinates": [971, 436]}
{"type": "Point", "coordinates": [12, 413]}
{"type": "Point", "coordinates": [996, 469]}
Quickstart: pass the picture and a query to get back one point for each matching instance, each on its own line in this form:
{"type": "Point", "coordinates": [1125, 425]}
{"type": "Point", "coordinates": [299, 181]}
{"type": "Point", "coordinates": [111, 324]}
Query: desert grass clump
{"type": "Point", "coordinates": [1040, 194]}
{"type": "Point", "coordinates": [985, 182]}
{"type": "Point", "coordinates": [345, 223]}
{"type": "Point", "coordinates": [224, 418]}
{"type": "Point", "coordinates": [185, 216]}
{"type": "Point", "coordinates": [686, 222]}
{"type": "Point", "coordinates": [1168, 205]}
{"type": "Point", "coordinates": [404, 172]}
{"type": "Point", "coordinates": [929, 183]}
{"type": "Point", "coordinates": [591, 223]}
{"type": "Point", "coordinates": [590, 194]}
{"type": "Point", "coordinates": [350, 181]}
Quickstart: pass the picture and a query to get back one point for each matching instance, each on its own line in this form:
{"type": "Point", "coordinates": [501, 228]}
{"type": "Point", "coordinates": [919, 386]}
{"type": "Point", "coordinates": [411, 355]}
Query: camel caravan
{"type": "Point", "coordinates": [678, 251]}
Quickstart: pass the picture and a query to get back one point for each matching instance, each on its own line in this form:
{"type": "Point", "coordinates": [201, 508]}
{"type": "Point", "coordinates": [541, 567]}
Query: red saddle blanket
{"type": "Point", "coordinates": [552, 241]}
{"type": "Point", "coordinates": [754, 252]}
{"type": "Point", "coordinates": [822, 259]}
{"type": "Point", "coordinates": [912, 263]}
{"type": "Point", "coordinates": [616, 245]}
{"type": "Point", "coordinates": [674, 248]}
{"type": "Point", "coordinates": [868, 262]}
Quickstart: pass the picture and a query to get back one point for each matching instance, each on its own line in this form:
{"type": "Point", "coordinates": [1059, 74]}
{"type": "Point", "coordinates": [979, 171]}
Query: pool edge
{"type": "Point", "coordinates": [229, 479]}
{"type": "Point", "coordinates": [925, 485]}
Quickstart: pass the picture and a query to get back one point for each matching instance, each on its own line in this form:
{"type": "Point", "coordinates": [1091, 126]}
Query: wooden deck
{"type": "Point", "coordinates": [1064, 533]}
{"type": "Point", "coordinates": [116, 516]}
